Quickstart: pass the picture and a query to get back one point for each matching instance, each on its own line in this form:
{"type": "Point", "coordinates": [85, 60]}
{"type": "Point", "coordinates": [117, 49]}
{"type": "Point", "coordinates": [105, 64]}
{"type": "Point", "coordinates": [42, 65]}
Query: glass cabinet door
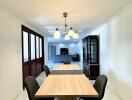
{"type": "Point", "coordinates": [93, 49]}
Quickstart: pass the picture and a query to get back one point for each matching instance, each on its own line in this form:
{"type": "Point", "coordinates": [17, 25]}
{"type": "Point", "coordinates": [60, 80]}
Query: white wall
{"type": "Point", "coordinates": [10, 55]}
{"type": "Point", "coordinates": [116, 52]}
{"type": "Point", "coordinates": [72, 47]}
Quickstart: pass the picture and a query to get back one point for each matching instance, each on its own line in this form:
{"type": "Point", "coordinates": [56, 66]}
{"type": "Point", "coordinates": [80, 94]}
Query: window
{"type": "Point", "coordinates": [40, 47]}
{"type": "Point", "coordinates": [25, 44]}
{"type": "Point", "coordinates": [37, 46]}
{"type": "Point", "coordinates": [32, 47]}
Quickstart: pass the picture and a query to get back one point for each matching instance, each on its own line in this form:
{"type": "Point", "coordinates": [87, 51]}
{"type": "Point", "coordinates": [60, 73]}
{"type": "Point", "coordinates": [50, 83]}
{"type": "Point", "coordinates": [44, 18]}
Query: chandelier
{"type": "Point", "coordinates": [70, 34]}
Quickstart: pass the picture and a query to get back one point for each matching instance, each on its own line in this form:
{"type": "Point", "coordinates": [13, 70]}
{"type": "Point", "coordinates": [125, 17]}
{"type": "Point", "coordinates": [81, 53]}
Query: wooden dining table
{"type": "Point", "coordinates": [66, 82]}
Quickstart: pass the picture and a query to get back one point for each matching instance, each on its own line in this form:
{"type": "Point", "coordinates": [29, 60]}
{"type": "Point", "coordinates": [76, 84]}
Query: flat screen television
{"type": "Point", "coordinates": [64, 51]}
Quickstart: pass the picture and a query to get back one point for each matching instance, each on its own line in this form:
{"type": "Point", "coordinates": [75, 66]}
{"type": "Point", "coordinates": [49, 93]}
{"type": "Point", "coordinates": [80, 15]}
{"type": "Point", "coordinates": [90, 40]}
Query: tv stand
{"type": "Point", "coordinates": [65, 58]}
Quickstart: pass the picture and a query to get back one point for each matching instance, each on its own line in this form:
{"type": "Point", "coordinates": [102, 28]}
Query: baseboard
{"type": "Point", "coordinates": [119, 96]}
{"type": "Point", "coordinates": [17, 94]}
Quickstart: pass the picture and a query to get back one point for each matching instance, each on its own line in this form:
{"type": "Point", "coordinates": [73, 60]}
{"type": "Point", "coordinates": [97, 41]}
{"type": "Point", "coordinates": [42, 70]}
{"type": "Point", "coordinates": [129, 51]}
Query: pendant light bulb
{"type": "Point", "coordinates": [75, 36]}
{"type": "Point", "coordinates": [67, 37]}
{"type": "Point", "coordinates": [57, 34]}
{"type": "Point", "coordinates": [71, 32]}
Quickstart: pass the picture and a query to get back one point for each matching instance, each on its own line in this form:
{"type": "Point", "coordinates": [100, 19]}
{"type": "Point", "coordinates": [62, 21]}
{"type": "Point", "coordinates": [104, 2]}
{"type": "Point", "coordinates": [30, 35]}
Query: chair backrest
{"type": "Point", "coordinates": [31, 86]}
{"type": "Point", "coordinates": [100, 85]}
{"type": "Point", "coordinates": [47, 71]}
{"type": "Point", "coordinates": [67, 62]}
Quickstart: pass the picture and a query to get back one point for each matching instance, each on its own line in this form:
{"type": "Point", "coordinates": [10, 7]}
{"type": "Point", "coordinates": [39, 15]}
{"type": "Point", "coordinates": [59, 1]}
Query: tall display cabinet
{"type": "Point", "coordinates": [91, 66]}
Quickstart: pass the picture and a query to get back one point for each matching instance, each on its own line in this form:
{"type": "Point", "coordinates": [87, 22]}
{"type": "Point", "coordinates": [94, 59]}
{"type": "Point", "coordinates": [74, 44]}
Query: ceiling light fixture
{"type": "Point", "coordinates": [57, 34]}
{"type": "Point", "coordinates": [70, 34]}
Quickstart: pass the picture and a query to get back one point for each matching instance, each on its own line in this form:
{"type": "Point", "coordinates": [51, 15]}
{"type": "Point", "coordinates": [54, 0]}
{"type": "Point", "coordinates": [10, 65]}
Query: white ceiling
{"type": "Point", "coordinates": [46, 15]}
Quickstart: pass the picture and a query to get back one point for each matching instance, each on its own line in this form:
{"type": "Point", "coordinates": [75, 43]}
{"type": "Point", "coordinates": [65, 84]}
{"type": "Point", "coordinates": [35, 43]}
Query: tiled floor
{"type": "Point", "coordinates": [109, 95]}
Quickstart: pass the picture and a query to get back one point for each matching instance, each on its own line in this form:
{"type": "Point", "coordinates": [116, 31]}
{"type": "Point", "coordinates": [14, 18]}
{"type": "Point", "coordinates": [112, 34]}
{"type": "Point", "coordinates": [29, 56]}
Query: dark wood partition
{"type": "Point", "coordinates": [32, 53]}
{"type": "Point", "coordinates": [91, 64]}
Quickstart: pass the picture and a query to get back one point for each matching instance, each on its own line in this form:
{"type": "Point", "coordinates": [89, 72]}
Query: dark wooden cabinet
{"type": "Point", "coordinates": [91, 56]}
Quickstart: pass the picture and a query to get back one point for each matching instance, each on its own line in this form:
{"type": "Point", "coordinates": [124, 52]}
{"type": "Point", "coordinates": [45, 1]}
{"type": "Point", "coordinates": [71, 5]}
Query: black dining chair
{"type": "Point", "coordinates": [47, 71]}
{"type": "Point", "coordinates": [32, 87]}
{"type": "Point", "coordinates": [99, 85]}
{"type": "Point", "coordinates": [67, 62]}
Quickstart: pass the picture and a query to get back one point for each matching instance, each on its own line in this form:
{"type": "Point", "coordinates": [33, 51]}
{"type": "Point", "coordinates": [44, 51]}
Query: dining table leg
{"type": "Point", "coordinates": [66, 98]}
